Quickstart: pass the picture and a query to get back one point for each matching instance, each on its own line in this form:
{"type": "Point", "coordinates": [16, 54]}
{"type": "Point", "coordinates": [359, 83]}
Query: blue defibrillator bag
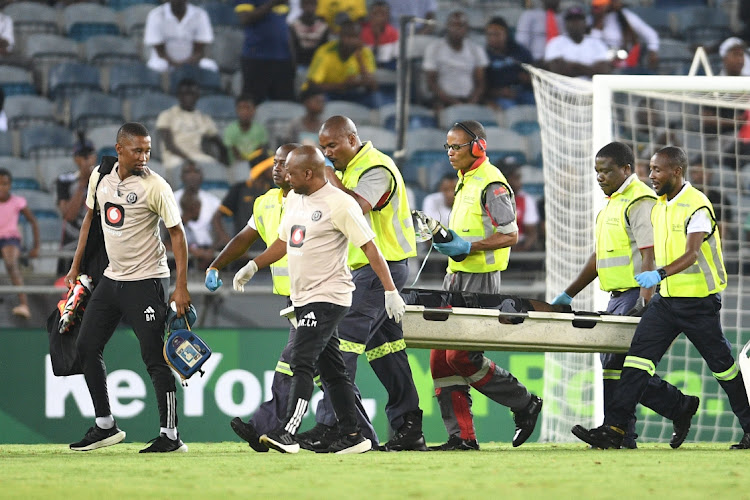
{"type": "Point", "coordinates": [185, 351]}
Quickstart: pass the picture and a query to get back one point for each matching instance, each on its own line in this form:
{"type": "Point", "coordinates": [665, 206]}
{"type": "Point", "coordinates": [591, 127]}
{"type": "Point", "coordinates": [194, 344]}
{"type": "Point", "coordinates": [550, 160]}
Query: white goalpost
{"type": "Point", "coordinates": [703, 115]}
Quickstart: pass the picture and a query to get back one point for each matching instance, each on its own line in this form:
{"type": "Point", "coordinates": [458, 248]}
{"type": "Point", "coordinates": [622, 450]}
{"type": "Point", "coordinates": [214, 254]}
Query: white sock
{"type": "Point", "coordinates": [105, 422]}
{"type": "Point", "coordinates": [171, 432]}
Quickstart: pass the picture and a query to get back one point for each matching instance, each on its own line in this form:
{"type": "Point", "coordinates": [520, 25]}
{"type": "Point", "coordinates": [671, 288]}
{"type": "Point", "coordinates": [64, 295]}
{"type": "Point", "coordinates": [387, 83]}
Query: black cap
{"type": "Point", "coordinates": [575, 11]}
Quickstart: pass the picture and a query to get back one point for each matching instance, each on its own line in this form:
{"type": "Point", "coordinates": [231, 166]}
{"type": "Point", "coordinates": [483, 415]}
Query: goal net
{"type": "Point", "coordinates": [708, 117]}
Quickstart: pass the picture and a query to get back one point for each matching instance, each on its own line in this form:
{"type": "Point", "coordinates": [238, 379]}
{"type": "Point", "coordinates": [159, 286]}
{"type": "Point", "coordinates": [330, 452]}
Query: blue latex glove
{"type": "Point", "coordinates": [562, 300]}
{"type": "Point", "coordinates": [648, 279]}
{"type": "Point", "coordinates": [457, 246]}
{"type": "Point", "coordinates": [213, 282]}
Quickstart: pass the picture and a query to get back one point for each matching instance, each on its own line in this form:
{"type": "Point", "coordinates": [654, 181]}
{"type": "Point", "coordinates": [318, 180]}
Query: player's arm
{"type": "Point", "coordinates": [34, 252]}
{"type": "Point", "coordinates": [379, 265]}
{"type": "Point", "coordinates": [180, 296]}
{"type": "Point", "coordinates": [83, 237]}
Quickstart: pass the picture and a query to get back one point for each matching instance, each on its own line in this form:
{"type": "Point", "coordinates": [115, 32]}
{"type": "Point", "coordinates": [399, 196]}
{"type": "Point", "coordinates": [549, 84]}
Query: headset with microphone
{"type": "Point", "coordinates": [478, 145]}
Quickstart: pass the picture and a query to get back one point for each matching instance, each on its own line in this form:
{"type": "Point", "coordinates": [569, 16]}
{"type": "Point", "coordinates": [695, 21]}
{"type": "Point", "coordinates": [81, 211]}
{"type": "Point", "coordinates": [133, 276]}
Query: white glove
{"type": "Point", "coordinates": [244, 275]}
{"type": "Point", "coordinates": [394, 305]}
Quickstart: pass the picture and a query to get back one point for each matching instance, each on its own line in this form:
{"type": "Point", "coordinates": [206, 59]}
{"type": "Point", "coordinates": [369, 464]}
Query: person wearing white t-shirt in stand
{"type": "Point", "coordinates": [438, 205]}
{"type": "Point", "coordinates": [318, 223]}
{"type": "Point", "coordinates": [178, 33]}
{"type": "Point", "coordinates": [575, 53]}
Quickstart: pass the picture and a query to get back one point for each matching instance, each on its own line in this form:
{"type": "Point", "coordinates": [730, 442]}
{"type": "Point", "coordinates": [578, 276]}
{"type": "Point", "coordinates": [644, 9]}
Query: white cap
{"type": "Point", "coordinates": [729, 44]}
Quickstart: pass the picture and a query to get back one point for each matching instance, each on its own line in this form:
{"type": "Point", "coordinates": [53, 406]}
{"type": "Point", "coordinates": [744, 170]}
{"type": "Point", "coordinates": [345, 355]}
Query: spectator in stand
{"type": "Point", "coordinates": [178, 33]}
{"type": "Point", "coordinates": [7, 39]}
{"type": "Point", "coordinates": [200, 253]}
{"type": "Point", "coordinates": [576, 54]}
{"type": "Point", "coordinates": [244, 137]}
{"type": "Point", "coordinates": [380, 35]}
{"type": "Point", "coordinates": [11, 206]}
{"type": "Point", "coordinates": [536, 27]}
{"type": "Point", "coordinates": [438, 205]}
{"type": "Point", "coordinates": [345, 68]}
{"type": "Point", "coordinates": [734, 59]}
{"type": "Point", "coordinates": [625, 34]}
{"type": "Point", "coordinates": [527, 213]}
{"type": "Point", "coordinates": [420, 9]}
{"type": "Point", "coordinates": [308, 32]}
{"type": "Point", "coordinates": [183, 130]}
{"type": "Point", "coordinates": [454, 66]}
{"type": "Point", "coordinates": [508, 84]}
{"type": "Point", "coordinates": [304, 129]}
{"type": "Point", "coordinates": [336, 11]}
{"type": "Point", "coordinates": [642, 170]}
{"type": "Point", "coordinates": [199, 228]}
{"type": "Point", "coordinates": [266, 50]}
{"type": "Point", "coordinates": [238, 202]}
{"type": "Point", "coordinates": [71, 190]}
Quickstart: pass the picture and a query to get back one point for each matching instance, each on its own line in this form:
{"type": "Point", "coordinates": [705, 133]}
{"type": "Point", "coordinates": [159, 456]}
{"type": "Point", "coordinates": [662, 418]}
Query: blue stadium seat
{"type": "Point", "coordinates": [502, 143]}
{"type": "Point", "coordinates": [25, 110]}
{"type": "Point", "coordinates": [120, 5]}
{"type": "Point", "coordinates": [69, 79]}
{"type": "Point", "coordinates": [133, 19]}
{"type": "Point", "coordinates": [46, 51]}
{"type": "Point", "coordinates": [208, 81]}
{"type": "Point", "coordinates": [134, 79]}
{"type": "Point", "coordinates": [16, 81]}
{"type": "Point", "coordinates": [46, 140]}
{"type": "Point", "coordinates": [110, 50]}
{"type": "Point", "coordinates": [227, 50]}
{"type": "Point", "coordinates": [383, 139]}
{"type": "Point", "coordinates": [358, 113]}
{"type": "Point", "coordinates": [31, 18]}
{"type": "Point", "coordinates": [22, 170]}
{"type": "Point", "coordinates": [94, 109]}
{"type": "Point", "coordinates": [222, 15]}
{"type": "Point", "coordinates": [460, 112]}
{"type": "Point", "coordinates": [219, 107]}
{"type": "Point", "coordinates": [84, 20]}
{"type": "Point", "coordinates": [269, 111]}
{"type": "Point", "coordinates": [146, 107]}
{"type": "Point", "coordinates": [419, 117]}
{"type": "Point", "coordinates": [6, 144]}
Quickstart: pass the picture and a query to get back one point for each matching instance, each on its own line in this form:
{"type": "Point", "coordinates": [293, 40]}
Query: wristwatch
{"type": "Point", "coordinates": [662, 273]}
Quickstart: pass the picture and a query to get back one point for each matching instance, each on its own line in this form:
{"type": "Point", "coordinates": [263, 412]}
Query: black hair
{"type": "Point", "coordinates": [186, 82]}
{"type": "Point", "coordinates": [245, 98]}
{"type": "Point", "coordinates": [676, 157]}
{"type": "Point", "coordinates": [472, 125]}
{"type": "Point", "coordinates": [619, 152]}
{"type": "Point", "coordinates": [132, 129]}
{"type": "Point", "coordinates": [498, 21]}
{"type": "Point", "coordinates": [4, 172]}
{"type": "Point", "coordinates": [449, 176]}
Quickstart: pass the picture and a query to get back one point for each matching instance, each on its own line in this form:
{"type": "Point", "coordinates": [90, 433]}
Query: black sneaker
{"type": "Point", "coordinates": [162, 444]}
{"type": "Point", "coordinates": [605, 436]}
{"type": "Point", "coordinates": [280, 440]}
{"type": "Point", "coordinates": [744, 443]}
{"type": "Point", "coordinates": [526, 420]}
{"type": "Point", "coordinates": [318, 438]}
{"type": "Point", "coordinates": [681, 424]}
{"type": "Point", "coordinates": [409, 436]}
{"type": "Point", "coordinates": [348, 444]}
{"type": "Point", "coordinates": [247, 432]}
{"type": "Point", "coordinates": [455, 443]}
{"type": "Point", "coordinates": [96, 437]}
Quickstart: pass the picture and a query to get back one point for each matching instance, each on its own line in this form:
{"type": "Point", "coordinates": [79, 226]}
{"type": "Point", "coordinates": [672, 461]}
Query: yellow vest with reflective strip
{"type": "Point", "coordinates": [267, 211]}
{"type": "Point", "coordinates": [392, 224]}
{"type": "Point", "coordinates": [617, 255]}
{"type": "Point", "coordinates": [470, 221]}
{"type": "Point", "coordinates": [707, 274]}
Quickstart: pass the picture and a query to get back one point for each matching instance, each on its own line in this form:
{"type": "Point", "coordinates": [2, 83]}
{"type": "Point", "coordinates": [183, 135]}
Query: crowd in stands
{"type": "Point", "coordinates": [222, 84]}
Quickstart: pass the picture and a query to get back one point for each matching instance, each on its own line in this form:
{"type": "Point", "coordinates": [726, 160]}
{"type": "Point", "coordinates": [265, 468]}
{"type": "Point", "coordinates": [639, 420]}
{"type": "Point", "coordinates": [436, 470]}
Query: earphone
{"type": "Point", "coordinates": [478, 145]}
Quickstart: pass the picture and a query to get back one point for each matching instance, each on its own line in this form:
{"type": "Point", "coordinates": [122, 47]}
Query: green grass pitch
{"type": "Point", "coordinates": [233, 470]}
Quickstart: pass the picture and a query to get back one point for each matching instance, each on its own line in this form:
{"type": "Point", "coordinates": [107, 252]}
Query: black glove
{"type": "Point", "coordinates": [638, 308]}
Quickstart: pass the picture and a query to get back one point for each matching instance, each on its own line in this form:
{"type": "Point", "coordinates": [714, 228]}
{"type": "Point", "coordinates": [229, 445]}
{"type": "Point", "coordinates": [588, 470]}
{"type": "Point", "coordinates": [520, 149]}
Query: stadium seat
{"type": "Point", "coordinates": [208, 81]}
{"type": "Point", "coordinates": [39, 201]}
{"type": "Point", "coordinates": [22, 170]}
{"type": "Point", "coordinates": [110, 50]}
{"type": "Point", "coordinates": [460, 112]}
{"type": "Point", "coordinates": [426, 159]}
{"type": "Point", "coordinates": [419, 117]}
{"type": "Point", "coordinates": [93, 109]}
{"type": "Point", "coordinates": [25, 110]}
{"type": "Point", "coordinates": [16, 81]}
{"type": "Point", "coordinates": [133, 79]}
{"type": "Point", "coordinates": [133, 21]}
{"type": "Point", "coordinates": [146, 107]}
{"type": "Point", "coordinates": [219, 107]}
{"type": "Point", "coordinates": [49, 169]}
{"type": "Point", "coordinates": [50, 229]}
{"type": "Point", "coordinates": [359, 114]}
{"type": "Point", "coordinates": [511, 14]}
{"type": "Point", "coordinates": [417, 44]}
{"type": "Point", "coordinates": [69, 79]}
{"type": "Point", "coordinates": [270, 111]}
{"type": "Point", "coordinates": [6, 144]}
{"type": "Point", "coordinates": [103, 136]}
{"type": "Point", "coordinates": [46, 140]}
{"type": "Point", "coordinates": [215, 176]}
{"type": "Point", "coordinates": [381, 138]}
{"type": "Point", "coordinates": [227, 50]}
{"type": "Point", "coordinates": [522, 119]}
{"type": "Point", "coordinates": [659, 19]}
{"type": "Point", "coordinates": [45, 51]}
{"type": "Point", "coordinates": [31, 18]}
{"type": "Point", "coordinates": [84, 20]}
{"type": "Point", "coordinates": [120, 5]}
{"type": "Point", "coordinates": [502, 142]}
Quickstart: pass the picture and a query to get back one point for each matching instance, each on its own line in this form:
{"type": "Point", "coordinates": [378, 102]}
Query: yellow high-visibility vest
{"type": "Point", "coordinates": [267, 211]}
